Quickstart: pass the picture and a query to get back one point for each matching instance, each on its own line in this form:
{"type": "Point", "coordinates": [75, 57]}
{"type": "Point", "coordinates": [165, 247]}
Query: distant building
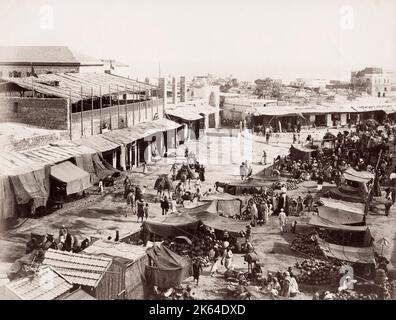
{"type": "Point", "coordinates": [373, 81]}
{"type": "Point", "coordinates": [115, 67]}
{"type": "Point", "coordinates": [24, 61]}
{"type": "Point", "coordinates": [309, 83]}
{"type": "Point", "coordinates": [338, 84]}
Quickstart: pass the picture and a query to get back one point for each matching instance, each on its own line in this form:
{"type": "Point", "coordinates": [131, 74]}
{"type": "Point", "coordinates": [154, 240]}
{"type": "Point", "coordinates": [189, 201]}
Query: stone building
{"type": "Point", "coordinates": [374, 81]}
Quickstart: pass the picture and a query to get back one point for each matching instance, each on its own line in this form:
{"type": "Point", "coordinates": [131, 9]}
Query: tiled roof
{"type": "Point", "coordinates": [45, 54]}
{"type": "Point", "coordinates": [82, 269]}
{"type": "Point", "coordinates": [47, 284]}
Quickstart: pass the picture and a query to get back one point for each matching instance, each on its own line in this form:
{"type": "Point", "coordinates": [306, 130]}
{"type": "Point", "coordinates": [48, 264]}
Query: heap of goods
{"type": "Point", "coordinates": [198, 247]}
{"type": "Point", "coordinates": [317, 272]}
{"type": "Point", "coordinates": [307, 243]}
{"type": "Point", "coordinates": [347, 295]}
{"type": "Point", "coordinates": [290, 184]}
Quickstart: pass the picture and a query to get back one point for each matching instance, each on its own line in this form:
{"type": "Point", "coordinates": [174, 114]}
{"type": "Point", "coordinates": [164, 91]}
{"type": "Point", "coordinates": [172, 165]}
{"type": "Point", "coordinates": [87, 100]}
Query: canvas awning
{"type": "Point", "coordinates": [358, 176]}
{"type": "Point", "coordinates": [76, 179]}
{"type": "Point", "coordinates": [321, 222]}
{"type": "Point", "coordinates": [338, 212]}
{"type": "Point", "coordinates": [29, 179]}
{"type": "Point", "coordinates": [346, 253]}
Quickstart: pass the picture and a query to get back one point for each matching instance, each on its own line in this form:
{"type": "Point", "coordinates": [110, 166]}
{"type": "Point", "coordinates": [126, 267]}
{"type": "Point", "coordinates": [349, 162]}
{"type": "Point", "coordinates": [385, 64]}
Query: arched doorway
{"type": "Point", "coordinates": [379, 94]}
{"type": "Point", "coordinates": [212, 99]}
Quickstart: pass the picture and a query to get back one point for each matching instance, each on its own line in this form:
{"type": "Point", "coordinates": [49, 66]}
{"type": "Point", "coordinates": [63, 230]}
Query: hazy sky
{"type": "Point", "coordinates": [246, 38]}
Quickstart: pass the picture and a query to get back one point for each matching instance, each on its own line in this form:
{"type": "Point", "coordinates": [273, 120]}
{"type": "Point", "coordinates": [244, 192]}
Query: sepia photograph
{"type": "Point", "coordinates": [218, 151]}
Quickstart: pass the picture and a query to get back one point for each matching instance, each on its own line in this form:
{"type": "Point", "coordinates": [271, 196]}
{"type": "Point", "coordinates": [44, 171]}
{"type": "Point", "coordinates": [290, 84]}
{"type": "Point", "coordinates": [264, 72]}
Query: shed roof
{"type": "Point", "coordinates": [79, 86]}
{"type": "Point", "coordinates": [113, 249]}
{"type": "Point", "coordinates": [81, 269]}
{"type": "Point", "coordinates": [46, 284]}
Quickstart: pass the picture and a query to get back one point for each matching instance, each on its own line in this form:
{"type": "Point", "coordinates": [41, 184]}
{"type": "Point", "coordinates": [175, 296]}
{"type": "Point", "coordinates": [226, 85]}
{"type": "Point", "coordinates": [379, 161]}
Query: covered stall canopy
{"type": "Point", "coordinates": [132, 261]}
{"type": "Point", "coordinates": [340, 212]}
{"type": "Point", "coordinates": [348, 254]}
{"type": "Point", "coordinates": [186, 222]}
{"type": "Point", "coordinates": [27, 182]}
{"type": "Point", "coordinates": [166, 269]}
{"type": "Point", "coordinates": [302, 153]}
{"type": "Point", "coordinates": [226, 204]}
{"type": "Point", "coordinates": [76, 179]}
{"type": "Point", "coordinates": [360, 235]}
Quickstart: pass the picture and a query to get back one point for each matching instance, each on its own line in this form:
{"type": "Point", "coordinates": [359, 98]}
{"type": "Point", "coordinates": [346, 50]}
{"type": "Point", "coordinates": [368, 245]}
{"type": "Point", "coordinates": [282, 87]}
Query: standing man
{"type": "Point", "coordinates": [101, 188]}
{"type": "Point", "coordinates": [282, 221]}
{"type": "Point", "coordinates": [197, 269]}
{"type": "Point", "coordinates": [388, 204]}
{"type": "Point", "coordinates": [165, 206]}
{"type": "Point", "coordinates": [264, 158]}
{"type": "Point", "coordinates": [140, 209]}
{"type": "Point", "coordinates": [392, 178]}
{"type": "Point", "coordinates": [309, 201]}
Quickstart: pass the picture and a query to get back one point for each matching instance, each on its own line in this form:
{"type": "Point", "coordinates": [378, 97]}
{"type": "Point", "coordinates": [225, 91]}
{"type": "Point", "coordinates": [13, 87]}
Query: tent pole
{"type": "Point", "coordinates": [92, 107]}
{"type": "Point", "coordinates": [100, 114]}
{"type": "Point", "coordinates": [70, 113]}
{"type": "Point", "coordinates": [126, 107]}
{"type": "Point", "coordinates": [118, 105]}
{"type": "Point", "coordinates": [111, 127]}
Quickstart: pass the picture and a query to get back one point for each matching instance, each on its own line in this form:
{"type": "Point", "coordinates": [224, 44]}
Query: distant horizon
{"type": "Point", "coordinates": [252, 39]}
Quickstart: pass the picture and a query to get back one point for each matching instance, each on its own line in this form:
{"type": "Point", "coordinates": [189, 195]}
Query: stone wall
{"type": "Point", "coordinates": [26, 70]}
{"type": "Point", "coordinates": [46, 113]}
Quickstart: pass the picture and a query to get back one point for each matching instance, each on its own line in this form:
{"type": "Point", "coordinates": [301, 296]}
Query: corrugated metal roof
{"type": "Point", "coordinates": [98, 143]}
{"type": "Point", "coordinates": [82, 269]}
{"type": "Point", "coordinates": [52, 154]}
{"type": "Point", "coordinates": [185, 113]}
{"type": "Point", "coordinates": [140, 131]}
{"type": "Point", "coordinates": [116, 250]}
{"type": "Point", "coordinates": [47, 284]}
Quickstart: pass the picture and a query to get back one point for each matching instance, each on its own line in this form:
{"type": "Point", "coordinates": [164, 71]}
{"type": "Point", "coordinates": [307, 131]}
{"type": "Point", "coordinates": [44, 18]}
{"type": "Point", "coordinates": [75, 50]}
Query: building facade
{"type": "Point", "coordinates": [373, 81]}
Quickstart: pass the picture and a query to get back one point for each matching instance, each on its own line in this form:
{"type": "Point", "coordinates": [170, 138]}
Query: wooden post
{"type": "Point", "coordinates": [126, 106]}
{"type": "Point", "coordinates": [139, 101]}
{"type": "Point", "coordinates": [92, 129]}
{"type": "Point", "coordinates": [100, 114]}
{"type": "Point", "coordinates": [70, 113]}
{"type": "Point", "coordinates": [33, 88]}
{"type": "Point", "coordinates": [118, 103]}
{"type": "Point", "coordinates": [81, 112]}
{"type": "Point", "coordinates": [111, 127]}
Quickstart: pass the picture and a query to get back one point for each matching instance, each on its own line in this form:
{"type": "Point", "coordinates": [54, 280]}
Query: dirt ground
{"type": "Point", "coordinates": [100, 217]}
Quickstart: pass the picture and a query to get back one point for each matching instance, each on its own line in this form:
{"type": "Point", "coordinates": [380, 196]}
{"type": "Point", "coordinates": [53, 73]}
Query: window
{"type": "Point", "coordinates": [10, 74]}
{"type": "Point", "coordinates": [27, 74]}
